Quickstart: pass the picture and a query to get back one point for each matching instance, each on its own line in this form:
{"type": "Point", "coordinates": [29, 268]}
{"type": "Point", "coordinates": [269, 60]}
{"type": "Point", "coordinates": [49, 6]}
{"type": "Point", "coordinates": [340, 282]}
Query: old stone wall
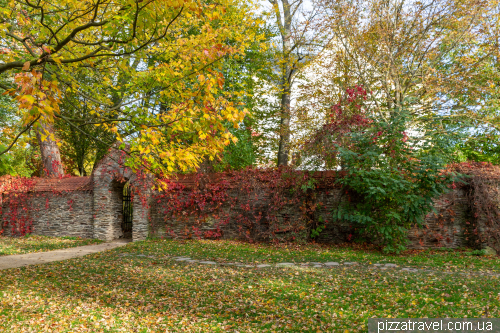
{"type": "Point", "coordinates": [93, 208]}
{"type": "Point", "coordinates": [50, 214]}
{"type": "Point", "coordinates": [188, 225]}
{"type": "Point", "coordinates": [446, 226]}
{"type": "Point", "coordinates": [228, 219]}
{"type": "Point", "coordinates": [443, 228]}
{"type": "Point", "coordinates": [108, 215]}
{"type": "Point", "coordinates": [334, 232]}
{"type": "Point", "coordinates": [89, 207]}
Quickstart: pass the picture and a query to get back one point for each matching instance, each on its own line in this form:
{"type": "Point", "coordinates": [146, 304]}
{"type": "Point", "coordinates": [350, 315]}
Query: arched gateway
{"type": "Point", "coordinates": [121, 198]}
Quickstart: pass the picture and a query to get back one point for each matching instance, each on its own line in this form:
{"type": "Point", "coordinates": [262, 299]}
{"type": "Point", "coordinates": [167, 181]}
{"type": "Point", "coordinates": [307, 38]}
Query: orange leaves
{"type": "Point", "coordinates": [37, 96]}
{"type": "Point", "coordinates": [46, 49]}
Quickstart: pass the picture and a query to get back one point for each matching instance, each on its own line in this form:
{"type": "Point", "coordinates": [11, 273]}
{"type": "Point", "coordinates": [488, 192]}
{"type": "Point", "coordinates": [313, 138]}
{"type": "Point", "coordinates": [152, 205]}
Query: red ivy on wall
{"type": "Point", "coordinates": [262, 204]}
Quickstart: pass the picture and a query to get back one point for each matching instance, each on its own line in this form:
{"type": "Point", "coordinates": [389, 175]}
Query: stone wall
{"type": "Point", "coordinates": [108, 215]}
{"type": "Point", "coordinates": [443, 228]}
{"type": "Point", "coordinates": [189, 225]}
{"type": "Point", "coordinates": [88, 207]}
{"type": "Point", "coordinates": [91, 207]}
{"type": "Point", "coordinates": [51, 214]}
{"type": "Point", "coordinates": [163, 224]}
{"type": "Point", "coordinates": [109, 178]}
{"type": "Point", "coordinates": [446, 226]}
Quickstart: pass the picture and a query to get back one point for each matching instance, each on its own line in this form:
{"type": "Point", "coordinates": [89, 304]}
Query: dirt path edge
{"type": "Point", "coordinates": [21, 260]}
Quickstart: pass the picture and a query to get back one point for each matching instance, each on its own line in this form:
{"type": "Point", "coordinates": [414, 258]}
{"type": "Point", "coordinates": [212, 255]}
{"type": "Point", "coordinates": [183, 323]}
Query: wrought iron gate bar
{"type": "Point", "coordinates": [127, 209]}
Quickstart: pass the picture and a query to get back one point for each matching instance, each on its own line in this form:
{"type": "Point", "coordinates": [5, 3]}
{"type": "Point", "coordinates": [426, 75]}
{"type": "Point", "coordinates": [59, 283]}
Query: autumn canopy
{"type": "Point", "coordinates": [145, 72]}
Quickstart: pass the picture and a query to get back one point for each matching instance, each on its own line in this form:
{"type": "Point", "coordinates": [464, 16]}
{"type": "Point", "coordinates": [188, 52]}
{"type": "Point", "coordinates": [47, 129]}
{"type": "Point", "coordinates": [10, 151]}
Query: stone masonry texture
{"type": "Point", "coordinates": [86, 207]}
{"type": "Point", "coordinates": [92, 207]}
{"type": "Point", "coordinates": [443, 228]}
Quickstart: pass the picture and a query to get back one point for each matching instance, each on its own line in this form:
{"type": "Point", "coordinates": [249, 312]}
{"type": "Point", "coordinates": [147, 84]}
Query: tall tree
{"type": "Point", "coordinates": [299, 38]}
{"type": "Point", "coordinates": [49, 149]}
{"type": "Point", "coordinates": [169, 109]}
{"type": "Point", "coordinates": [422, 56]}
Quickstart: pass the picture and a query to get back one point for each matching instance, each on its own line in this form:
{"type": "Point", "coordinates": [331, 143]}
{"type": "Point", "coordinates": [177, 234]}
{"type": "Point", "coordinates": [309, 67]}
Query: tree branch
{"type": "Point", "coordinates": [19, 135]}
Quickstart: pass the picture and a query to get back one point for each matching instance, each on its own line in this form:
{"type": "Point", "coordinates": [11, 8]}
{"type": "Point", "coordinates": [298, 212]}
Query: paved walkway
{"type": "Point", "coordinates": [20, 260]}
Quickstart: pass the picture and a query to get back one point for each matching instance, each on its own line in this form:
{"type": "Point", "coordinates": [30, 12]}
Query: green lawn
{"type": "Point", "coordinates": [31, 243]}
{"type": "Point", "coordinates": [228, 251]}
{"type": "Point", "coordinates": [109, 292]}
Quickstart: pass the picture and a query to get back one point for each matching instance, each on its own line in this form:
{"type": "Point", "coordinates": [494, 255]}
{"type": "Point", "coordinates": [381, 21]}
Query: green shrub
{"type": "Point", "coordinates": [395, 176]}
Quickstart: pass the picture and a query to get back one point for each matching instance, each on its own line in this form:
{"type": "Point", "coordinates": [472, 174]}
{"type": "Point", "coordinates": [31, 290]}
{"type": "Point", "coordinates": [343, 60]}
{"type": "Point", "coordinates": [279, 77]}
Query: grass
{"type": "Point", "coordinates": [107, 292]}
{"type": "Point", "coordinates": [32, 243]}
{"type": "Point", "coordinates": [228, 251]}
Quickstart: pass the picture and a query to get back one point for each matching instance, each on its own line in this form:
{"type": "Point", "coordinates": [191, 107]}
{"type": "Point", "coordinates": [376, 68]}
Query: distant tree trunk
{"type": "Point", "coordinates": [284, 145]}
{"type": "Point", "coordinates": [51, 157]}
{"type": "Point", "coordinates": [284, 20]}
{"type": "Point", "coordinates": [299, 35]}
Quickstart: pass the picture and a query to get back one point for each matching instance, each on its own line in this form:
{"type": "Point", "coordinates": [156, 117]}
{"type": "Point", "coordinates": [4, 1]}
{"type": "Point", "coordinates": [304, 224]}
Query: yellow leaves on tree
{"type": "Point", "coordinates": [148, 71]}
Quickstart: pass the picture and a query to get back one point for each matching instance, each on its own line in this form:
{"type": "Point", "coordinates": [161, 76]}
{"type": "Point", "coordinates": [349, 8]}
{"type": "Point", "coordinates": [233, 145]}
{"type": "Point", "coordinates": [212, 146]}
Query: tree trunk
{"type": "Point", "coordinates": [51, 158]}
{"type": "Point", "coordinates": [284, 145]}
{"type": "Point", "coordinates": [285, 25]}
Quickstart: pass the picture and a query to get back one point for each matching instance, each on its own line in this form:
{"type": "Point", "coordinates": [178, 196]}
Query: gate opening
{"type": "Point", "coordinates": [128, 211]}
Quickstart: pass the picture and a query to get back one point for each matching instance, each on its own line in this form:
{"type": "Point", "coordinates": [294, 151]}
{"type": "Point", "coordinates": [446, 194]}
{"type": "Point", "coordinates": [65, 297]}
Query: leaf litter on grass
{"type": "Point", "coordinates": [110, 293]}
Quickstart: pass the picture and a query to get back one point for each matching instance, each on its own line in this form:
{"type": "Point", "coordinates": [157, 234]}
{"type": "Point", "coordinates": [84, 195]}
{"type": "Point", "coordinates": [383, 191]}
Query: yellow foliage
{"type": "Point", "coordinates": [185, 77]}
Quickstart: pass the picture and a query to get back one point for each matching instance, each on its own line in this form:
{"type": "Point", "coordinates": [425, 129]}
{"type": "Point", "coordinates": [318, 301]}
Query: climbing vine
{"type": "Point", "coordinates": [483, 200]}
{"type": "Point", "coordinates": [260, 205]}
{"type": "Point", "coordinates": [14, 195]}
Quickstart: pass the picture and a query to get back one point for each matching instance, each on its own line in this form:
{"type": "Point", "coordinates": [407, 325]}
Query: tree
{"type": "Point", "coordinates": [84, 145]}
{"type": "Point", "coordinates": [390, 184]}
{"type": "Point", "coordinates": [299, 40]}
{"type": "Point", "coordinates": [477, 134]}
{"type": "Point", "coordinates": [14, 162]}
{"type": "Point", "coordinates": [420, 56]}
{"type": "Point", "coordinates": [169, 108]}
{"type": "Point", "coordinates": [243, 78]}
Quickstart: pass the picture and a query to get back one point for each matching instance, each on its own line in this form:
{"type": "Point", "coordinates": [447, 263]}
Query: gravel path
{"type": "Point", "coordinates": [20, 260]}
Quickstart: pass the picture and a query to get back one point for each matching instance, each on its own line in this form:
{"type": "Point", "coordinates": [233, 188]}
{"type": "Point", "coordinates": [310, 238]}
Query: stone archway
{"type": "Point", "coordinates": [109, 179]}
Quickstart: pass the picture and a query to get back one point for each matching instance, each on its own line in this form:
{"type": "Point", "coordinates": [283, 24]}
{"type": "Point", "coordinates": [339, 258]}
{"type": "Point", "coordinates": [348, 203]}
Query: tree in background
{"type": "Point", "coordinates": [244, 77]}
{"type": "Point", "coordinates": [14, 162]}
{"type": "Point", "coordinates": [299, 40]}
{"type": "Point", "coordinates": [476, 134]}
{"type": "Point", "coordinates": [429, 58]}
{"type": "Point", "coordinates": [81, 145]}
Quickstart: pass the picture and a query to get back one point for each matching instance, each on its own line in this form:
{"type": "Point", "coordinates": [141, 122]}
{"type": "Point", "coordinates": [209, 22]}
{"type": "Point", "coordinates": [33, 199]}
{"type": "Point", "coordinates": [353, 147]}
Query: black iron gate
{"type": "Point", "coordinates": [127, 210]}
